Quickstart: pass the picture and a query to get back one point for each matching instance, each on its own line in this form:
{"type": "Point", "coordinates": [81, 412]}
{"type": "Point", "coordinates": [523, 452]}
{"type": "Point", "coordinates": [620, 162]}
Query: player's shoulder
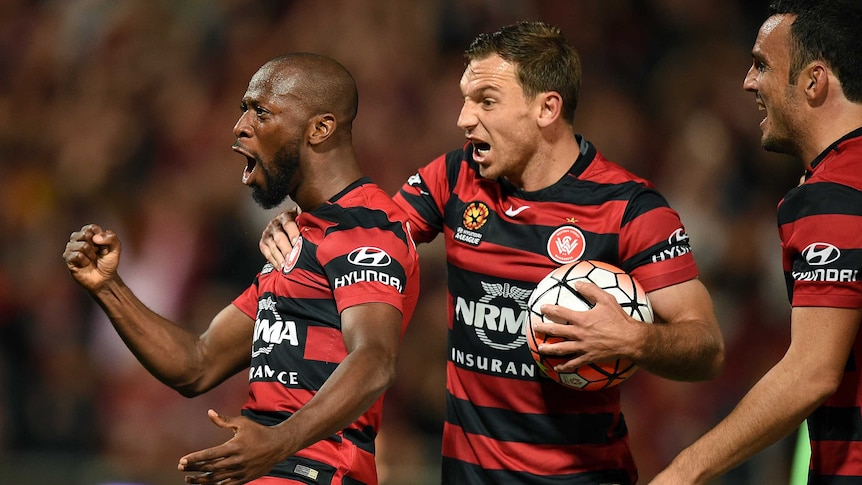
{"type": "Point", "coordinates": [604, 170]}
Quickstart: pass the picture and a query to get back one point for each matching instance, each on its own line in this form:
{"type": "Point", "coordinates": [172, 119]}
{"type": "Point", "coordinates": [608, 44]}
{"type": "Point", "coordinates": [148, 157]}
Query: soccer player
{"type": "Point", "coordinates": [807, 78]}
{"type": "Point", "coordinates": [320, 336]}
{"type": "Point", "coordinates": [521, 197]}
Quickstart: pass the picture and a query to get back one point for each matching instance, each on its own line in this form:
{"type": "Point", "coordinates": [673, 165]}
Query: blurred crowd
{"type": "Point", "coordinates": [121, 112]}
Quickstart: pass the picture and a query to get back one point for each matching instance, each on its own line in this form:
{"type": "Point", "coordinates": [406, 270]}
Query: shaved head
{"type": "Point", "coordinates": [317, 83]}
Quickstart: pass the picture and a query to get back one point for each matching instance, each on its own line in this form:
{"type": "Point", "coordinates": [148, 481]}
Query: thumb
{"type": "Point", "coordinates": [221, 421]}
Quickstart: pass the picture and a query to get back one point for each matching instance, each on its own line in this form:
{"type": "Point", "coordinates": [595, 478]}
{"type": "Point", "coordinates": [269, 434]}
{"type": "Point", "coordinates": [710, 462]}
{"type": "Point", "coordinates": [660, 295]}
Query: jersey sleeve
{"type": "Point", "coordinates": [369, 259]}
{"type": "Point", "coordinates": [822, 245]}
{"type": "Point", "coordinates": [247, 300]}
{"type": "Point", "coordinates": [424, 196]}
{"type": "Point", "coordinates": [654, 246]}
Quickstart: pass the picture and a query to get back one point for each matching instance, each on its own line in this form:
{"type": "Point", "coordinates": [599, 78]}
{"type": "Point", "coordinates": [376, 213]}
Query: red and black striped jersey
{"type": "Point", "coordinates": [820, 225]}
{"type": "Point", "coordinates": [506, 422]}
{"type": "Point", "coordinates": [354, 249]}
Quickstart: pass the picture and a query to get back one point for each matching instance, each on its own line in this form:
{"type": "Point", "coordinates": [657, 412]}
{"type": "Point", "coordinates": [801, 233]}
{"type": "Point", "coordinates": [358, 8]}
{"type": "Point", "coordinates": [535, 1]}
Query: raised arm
{"type": "Point", "coordinates": [187, 362]}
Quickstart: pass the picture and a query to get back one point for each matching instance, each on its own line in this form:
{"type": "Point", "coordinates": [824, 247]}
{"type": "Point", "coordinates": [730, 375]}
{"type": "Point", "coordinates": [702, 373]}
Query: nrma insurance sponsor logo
{"type": "Point", "coordinates": [490, 333]}
{"type": "Point", "coordinates": [271, 331]}
{"type": "Point", "coordinates": [499, 317]}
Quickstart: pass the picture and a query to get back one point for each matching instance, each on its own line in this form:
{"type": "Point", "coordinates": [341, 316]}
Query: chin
{"type": "Point", "coordinates": [488, 172]}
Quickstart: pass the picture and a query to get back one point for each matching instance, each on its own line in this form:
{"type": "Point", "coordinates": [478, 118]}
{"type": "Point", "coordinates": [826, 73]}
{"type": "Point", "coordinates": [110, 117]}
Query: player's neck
{"type": "Point", "coordinates": [549, 164]}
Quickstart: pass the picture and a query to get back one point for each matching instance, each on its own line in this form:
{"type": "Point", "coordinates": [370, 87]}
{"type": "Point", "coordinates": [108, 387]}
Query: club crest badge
{"type": "Point", "coordinates": [566, 244]}
{"type": "Point", "coordinates": [293, 257]}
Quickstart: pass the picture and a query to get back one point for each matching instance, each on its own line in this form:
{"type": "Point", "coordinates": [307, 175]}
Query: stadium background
{"type": "Point", "coordinates": [120, 112]}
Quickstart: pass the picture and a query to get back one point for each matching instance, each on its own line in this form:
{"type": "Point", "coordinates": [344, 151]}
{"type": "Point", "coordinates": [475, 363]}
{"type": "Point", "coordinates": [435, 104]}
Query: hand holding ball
{"type": "Point", "coordinates": [558, 288]}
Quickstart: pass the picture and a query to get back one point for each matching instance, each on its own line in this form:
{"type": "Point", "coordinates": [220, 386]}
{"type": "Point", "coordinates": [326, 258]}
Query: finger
{"type": "Point", "coordinates": [271, 252]}
{"type": "Point", "coordinates": [280, 246]}
{"type": "Point", "coordinates": [79, 254]}
{"type": "Point", "coordinates": [551, 329]}
{"type": "Point", "coordinates": [211, 478]}
{"type": "Point", "coordinates": [589, 290]}
{"type": "Point", "coordinates": [288, 215]}
{"type": "Point", "coordinates": [76, 260]}
{"type": "Point", "coordinates": [287, 220]}
{"type": "Point", "coordinates": [105, 241]}
{"type": "Point", "coordinates": [572, 364]}
{"type": "Point", "coordinates": [556, 314]}
{"type": "Point", "coordinates": [207, 460]}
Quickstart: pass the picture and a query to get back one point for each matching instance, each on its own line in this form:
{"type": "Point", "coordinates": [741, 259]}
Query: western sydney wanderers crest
{"type": "Point", "coordinates": [475, 216]}
{"type": "Point", "coordinates": [566, 244]}
{"type": "Point", "coordinates": [293, 256]}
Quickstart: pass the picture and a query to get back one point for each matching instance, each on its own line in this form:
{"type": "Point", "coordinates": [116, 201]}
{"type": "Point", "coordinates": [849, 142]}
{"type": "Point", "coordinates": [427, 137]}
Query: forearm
{"type": "Point", "coordinates": [681, 351]}
{"type": "Point", "coordinates": [166, 350]}
{"type": "Point", "coordinates": [685, 343]}
{"type": "Point", "coordinates": [356, 384]}
{"type": "Point", "coordinates": [772, 409]}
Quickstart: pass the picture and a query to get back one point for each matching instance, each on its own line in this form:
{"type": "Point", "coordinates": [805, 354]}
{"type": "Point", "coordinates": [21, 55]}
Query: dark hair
{"type": "Point", "coordinates": [543, 58]}
{"type": "Point", "coordinates": [830, 31]}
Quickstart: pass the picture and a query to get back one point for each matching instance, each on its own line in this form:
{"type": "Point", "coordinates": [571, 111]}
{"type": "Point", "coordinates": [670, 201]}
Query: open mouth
{"type": "Point", "coordinates": [247, 172]}
{"type": "Point", "coordinates": [480, 149]}
{"type": "Point", "coordinates": [250, 162]}
{"type": "Point", "coordinates": [762, 107]}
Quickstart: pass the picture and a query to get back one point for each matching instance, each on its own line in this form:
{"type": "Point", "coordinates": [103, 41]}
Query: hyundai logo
{"type": "Point", "coordinates": [678, 237]}
{"type": "Point", "coordinates": [369, 256]}
{"type": "Point", "coordinates": [820, 253]}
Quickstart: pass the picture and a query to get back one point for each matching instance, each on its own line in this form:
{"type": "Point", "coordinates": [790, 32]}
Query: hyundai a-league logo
{"type": "Point", "coordinates": [476, 215]}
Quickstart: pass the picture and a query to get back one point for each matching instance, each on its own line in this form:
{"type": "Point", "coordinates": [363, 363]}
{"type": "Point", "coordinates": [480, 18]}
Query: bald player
{"type": "Point", "coordinates": [320, 335]}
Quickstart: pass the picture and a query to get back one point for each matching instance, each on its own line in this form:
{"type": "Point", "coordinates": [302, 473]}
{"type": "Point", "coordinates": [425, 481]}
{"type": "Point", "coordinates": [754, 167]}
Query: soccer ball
{"type": "Point", "coordinates": [558, 288]}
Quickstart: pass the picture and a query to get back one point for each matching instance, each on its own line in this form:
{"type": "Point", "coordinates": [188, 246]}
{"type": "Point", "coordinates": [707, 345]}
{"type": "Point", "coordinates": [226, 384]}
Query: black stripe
{"type": "Point", "coordinates": [425, 207]}
{"type": "Point", "coordinates": [363, 440]}
{"type": "Point", "coordinates": [814, 479]}
{"type": "Point", "coordinates": [835, 424]}
{"type": "Point", "coordinates": [817, 199]}
{"type": "Point", "coordinates": [641, 203]}
{"type": "Point", "coordinates": [454, 160]}
{"type": "Point", "coordinates": [505, 425]}
{"type": "Point", "coordinates": [362, 217]}
{"type": "Point", "coordinates": [293, 469]}
{"type": "Point", "coordinates": [459, 472]}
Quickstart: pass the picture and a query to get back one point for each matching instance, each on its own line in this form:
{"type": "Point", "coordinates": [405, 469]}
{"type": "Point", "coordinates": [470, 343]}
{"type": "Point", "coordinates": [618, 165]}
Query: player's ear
{"type": "Point", "coordinates": [815, 78]}
{"type": "Point", "coordinates": [550, 106]}
{"type": "Point", "coordinates": [321, 128]}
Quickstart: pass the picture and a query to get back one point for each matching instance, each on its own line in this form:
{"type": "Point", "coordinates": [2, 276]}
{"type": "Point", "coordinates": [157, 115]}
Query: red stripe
{"type": "Point", "coordinates": [273, 397]}
{"type": "Point", "coordinates": [325, 344]}
{"type": "Point", "coordinates": [536, 459]}
{"type": "Point", "coordinates": [837, 458]}
{"type": "Point", "coordinates": [537, 397]}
